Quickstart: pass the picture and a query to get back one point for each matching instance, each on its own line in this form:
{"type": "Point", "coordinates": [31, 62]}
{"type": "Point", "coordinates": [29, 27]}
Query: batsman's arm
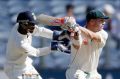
{"type": "Point", "coordinates": [90, 34]}
{"type": "Point", "coordinates": [76, 40]}
{"type": "Point", "coordinates": [100, 36]}
{"type": "Point", "coordinates": [104, 36]}
{"type": "Point", "coordinates": [49, 20]}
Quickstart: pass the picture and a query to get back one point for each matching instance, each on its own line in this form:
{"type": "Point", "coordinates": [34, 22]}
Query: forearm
{"type": "Point", "coordinates": [76, 43]}
{"type": "Point", "coordinates": [30, 50]}
{"type": "Point", "coordinates": [44, 51]}
{"type": "Point", "coordinates": [49, 20]}
{"type": "Point", "coordinates": [76, 40]}
{"type": "Point", "coordinates": [90, 34]}
{"type": "Point", "coordinates": [40, 51]}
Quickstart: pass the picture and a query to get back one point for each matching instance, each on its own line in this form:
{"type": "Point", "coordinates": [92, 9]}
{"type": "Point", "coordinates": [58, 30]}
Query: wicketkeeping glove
{"type": "Point", "coordinates": [57, 46]}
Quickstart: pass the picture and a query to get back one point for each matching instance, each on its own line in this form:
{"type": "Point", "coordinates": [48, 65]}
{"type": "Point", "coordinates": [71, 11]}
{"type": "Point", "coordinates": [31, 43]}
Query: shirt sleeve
{"type": "Point", "coordinates": [43, 32]}
{"type": "Point", "coordinates": [30, 50]}
{"type": "Point", "coordinates": [103, 36]}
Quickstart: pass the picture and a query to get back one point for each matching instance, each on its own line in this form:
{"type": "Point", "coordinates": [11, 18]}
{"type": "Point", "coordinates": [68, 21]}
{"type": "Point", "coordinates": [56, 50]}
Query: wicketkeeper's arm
{"type": "Point", "coordinates": [30, 50]}
{"type": "Point", "coordinates": [43, 32]}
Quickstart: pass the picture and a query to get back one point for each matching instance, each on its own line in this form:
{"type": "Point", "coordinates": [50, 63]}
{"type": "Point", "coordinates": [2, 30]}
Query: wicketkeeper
{"type": "Point", "coordinates": [18, 63]}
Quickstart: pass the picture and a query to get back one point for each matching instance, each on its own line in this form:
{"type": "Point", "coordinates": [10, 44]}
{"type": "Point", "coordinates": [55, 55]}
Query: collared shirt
{"type": "Point", "coordinates": [19, 46]}
{"type": "Point", "coordinates": [87, 56]}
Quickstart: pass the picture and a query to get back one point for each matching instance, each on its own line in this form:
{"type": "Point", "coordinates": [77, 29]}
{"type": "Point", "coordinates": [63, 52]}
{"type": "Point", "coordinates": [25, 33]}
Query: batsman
{"type": "Point", "coordinates": [86, 44]}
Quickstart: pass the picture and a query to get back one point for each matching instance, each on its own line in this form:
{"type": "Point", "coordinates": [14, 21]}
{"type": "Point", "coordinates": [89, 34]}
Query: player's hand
{"type": "Point", "coordinates": [58, 46]}
{"type": "Point", "coordinates": [76, 35]}
{"type": "Point", "coordinates": [61, 41]}
{"type": "Point", "coordinates": [60, 35]}
{"type": "Point", "coordinates": [70, 24]}
{"type": "Point", "coordinates": [67, 22]}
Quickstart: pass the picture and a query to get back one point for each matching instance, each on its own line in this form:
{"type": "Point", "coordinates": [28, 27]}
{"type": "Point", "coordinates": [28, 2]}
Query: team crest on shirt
{"type": "Point", "coordinates": [86, 41]}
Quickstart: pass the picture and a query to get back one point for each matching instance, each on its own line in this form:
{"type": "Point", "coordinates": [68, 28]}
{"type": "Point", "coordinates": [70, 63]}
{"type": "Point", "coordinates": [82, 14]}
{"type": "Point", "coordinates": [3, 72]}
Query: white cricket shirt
{"type": "Point", "coordinates": [88, 54]}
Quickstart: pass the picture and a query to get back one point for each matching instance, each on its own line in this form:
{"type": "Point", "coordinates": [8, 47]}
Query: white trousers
{"type": "Point", "coordinates": [72, 73]}
{"type": "Point", "coordinates": [15, 71]}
